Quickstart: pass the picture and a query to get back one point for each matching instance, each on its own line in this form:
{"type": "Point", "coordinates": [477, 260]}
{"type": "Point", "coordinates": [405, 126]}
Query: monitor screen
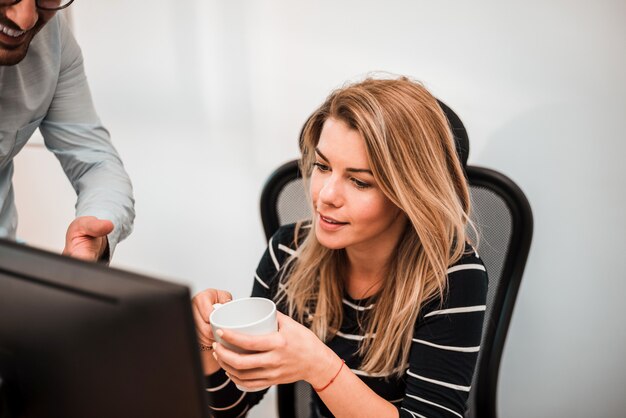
{"type": "Point", "coordinates": [82, 340]}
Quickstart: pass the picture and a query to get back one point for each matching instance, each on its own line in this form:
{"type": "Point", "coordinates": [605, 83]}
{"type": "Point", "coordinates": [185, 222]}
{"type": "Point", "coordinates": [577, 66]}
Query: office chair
{"type": "Point", "coordinates": [504, 221]}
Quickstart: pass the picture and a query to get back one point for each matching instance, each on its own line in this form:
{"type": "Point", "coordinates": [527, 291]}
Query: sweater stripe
{"type": "Point", "coordinates": [448, 347]}
{"type": "Point", "coordinates": [413, 414]}
{"type": "Point", "coordinates": [434, 404]}
{"type": "Point", "coordinates": [243, 395]}
{"type": "Point", "coordinates": [286, 249]}
{"type": "Point", "coordinates": [357, 307]}
{"type": "Point", "coordinates": [466, 267]}
{"type": "Point", "coordinates": [464, 309]}
{"type": "Point", "coordinates": [439, 382]}
{"type": "Point", "coordinates": [261, 282]}
{"type": "Point", "coordinates": [274, 259]}
{"type": "Point", "coordinates": [216, 388]}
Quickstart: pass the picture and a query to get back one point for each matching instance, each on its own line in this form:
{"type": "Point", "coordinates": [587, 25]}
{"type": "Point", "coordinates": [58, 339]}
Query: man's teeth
{"type": "Point", "coordinates": [11, 32]}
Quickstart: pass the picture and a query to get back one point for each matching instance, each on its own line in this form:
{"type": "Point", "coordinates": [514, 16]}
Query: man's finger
{"type": "Point", "coordinates": [97, 227]}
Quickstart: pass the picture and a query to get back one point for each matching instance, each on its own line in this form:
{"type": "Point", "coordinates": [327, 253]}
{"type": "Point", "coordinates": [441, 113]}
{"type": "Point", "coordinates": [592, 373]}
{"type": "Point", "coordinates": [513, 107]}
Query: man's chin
{"type": "Point", "coordinates": [9, 57]}
{"type": "Point", "coordinates": [14, 54]}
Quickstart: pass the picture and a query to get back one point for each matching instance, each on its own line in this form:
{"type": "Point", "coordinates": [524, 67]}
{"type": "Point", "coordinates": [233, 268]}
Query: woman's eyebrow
{"type": "Point", "coordinates": [360, 170]}
{"type": "Point", "coordinates": [317, 150]}
{"type": "Point", "coordinates": [352, 170]}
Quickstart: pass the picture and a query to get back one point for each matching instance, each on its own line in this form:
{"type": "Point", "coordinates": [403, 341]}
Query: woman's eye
{"type": "Point", "coordinates": [321, 167]}
{"type": "Point", "coordinates": [360, 184]}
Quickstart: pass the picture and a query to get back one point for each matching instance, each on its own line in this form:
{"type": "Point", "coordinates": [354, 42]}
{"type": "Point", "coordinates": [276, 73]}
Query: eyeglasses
{"type": "Point", "coordinates": [50, 5]}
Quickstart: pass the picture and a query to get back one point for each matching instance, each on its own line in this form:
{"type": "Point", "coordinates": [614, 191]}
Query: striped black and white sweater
{"type": "Point", "coordinates": [446, 341]}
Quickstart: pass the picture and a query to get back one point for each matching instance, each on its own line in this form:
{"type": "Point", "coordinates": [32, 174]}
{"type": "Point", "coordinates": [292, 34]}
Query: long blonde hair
{"type": "Point", "coordinates": [413, 158]}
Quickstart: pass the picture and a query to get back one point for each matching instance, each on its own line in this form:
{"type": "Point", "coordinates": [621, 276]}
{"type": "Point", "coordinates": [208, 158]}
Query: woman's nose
{"type": "Point", "coordinates": [331, 193]}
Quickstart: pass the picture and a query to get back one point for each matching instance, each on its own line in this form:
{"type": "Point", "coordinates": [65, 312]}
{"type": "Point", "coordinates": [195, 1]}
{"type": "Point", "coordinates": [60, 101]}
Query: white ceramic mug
{"type": "Point", "coordinates": [251, 316]}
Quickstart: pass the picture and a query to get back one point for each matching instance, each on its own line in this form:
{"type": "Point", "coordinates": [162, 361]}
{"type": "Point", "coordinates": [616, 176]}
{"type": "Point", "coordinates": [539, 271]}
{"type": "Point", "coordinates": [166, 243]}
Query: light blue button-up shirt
{"type": "Point", "coordinates": [48, 90]}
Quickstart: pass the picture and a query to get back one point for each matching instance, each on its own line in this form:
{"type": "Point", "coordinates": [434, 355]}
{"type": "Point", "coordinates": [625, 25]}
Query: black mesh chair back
{"type": "Point", "coordinates": [503, 218]}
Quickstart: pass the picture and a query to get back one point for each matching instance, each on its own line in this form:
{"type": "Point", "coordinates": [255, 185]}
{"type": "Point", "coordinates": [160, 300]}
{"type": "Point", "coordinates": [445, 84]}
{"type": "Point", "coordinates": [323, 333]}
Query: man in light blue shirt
{"type": "Point", "coordinates": [43, 85]}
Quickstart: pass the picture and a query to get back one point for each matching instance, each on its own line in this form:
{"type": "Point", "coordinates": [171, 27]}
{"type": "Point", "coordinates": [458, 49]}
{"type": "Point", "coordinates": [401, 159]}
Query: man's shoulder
{"type": "Point", "coordinates": [54, 45]}
{"type": "Point", "coordinates": [50, 36]}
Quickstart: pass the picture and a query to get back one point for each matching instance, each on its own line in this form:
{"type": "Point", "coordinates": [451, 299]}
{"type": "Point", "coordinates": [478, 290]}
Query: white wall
{"type": "Point", "coordinates": [205, 97]}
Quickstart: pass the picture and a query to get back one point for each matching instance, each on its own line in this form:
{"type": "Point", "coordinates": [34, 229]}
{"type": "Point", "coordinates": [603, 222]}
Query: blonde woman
{"type": "Point", "coordinates": [382, 297]}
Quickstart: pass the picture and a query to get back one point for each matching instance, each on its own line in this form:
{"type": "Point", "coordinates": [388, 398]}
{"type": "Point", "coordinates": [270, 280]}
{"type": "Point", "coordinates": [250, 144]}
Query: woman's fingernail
{"type": "Point", "coordinates": [214, 355]}
{"type": "Point", "coordinates": [213, 345]}
{"type": "Point", "coordinates": [220, 332]}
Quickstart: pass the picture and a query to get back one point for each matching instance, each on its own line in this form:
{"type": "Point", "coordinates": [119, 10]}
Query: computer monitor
{"type": "Point", "coordinates": [82, 340]}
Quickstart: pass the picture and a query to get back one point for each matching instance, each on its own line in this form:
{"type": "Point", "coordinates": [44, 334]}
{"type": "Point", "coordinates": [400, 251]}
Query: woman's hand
{"type": "Point", "coordinates": [291, 354]}
{"type": "Point", "coordinates": [202, 306]}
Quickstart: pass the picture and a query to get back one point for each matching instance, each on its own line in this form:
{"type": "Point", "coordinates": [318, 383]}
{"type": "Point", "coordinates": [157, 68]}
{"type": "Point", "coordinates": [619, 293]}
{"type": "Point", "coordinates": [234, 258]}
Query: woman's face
{"type": "Point", "coordinates": [351, 211]}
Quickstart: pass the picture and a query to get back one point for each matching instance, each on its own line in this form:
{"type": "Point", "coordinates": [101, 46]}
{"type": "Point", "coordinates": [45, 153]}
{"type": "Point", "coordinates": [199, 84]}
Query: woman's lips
{"type": "Point", "coordinates": [330, 224]}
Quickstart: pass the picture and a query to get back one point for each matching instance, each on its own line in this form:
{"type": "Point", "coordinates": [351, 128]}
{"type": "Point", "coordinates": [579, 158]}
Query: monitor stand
{"type": "Point", "coordinates": [3, 399]}
{"type": "Point", "coordinates": [9, 395]}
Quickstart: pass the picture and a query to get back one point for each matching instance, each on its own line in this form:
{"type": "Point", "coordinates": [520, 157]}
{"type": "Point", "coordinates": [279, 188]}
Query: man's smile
{"type": "Point", "coordinates": [11, 32]}
{"type": "Point", "coordinates": [11, 38]}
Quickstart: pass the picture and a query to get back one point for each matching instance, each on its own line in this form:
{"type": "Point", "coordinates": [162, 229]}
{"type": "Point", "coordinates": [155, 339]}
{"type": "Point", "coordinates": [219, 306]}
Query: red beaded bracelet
{"type": "Point", "coordinates": [331, 380]}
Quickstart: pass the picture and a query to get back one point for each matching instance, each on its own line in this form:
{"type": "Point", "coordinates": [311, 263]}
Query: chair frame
{"type": "Point", "coordinates": [283, 175]}
{"type": "Point", "coordinates": [504, 301]}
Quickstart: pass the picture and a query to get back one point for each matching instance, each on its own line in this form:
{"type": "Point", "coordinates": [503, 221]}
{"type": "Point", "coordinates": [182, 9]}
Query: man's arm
{"type": "Point", "coordinates": [74, 133]}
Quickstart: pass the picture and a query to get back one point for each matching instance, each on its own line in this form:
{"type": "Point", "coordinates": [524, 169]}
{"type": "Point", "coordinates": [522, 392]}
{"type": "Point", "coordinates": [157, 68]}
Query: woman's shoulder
{"type": "Point", "coordinates": [286, 240]}
{"type": "Point", "coordinates": [466, 290]}
{"type": "Point", "coordinates": [467, 278]}
{"type": "Point", "coordinates": [281, 247]}
{"type": "Point", "coordinates": [470, 260]}
{"type": "Point", "coordinates": [291, 235]}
